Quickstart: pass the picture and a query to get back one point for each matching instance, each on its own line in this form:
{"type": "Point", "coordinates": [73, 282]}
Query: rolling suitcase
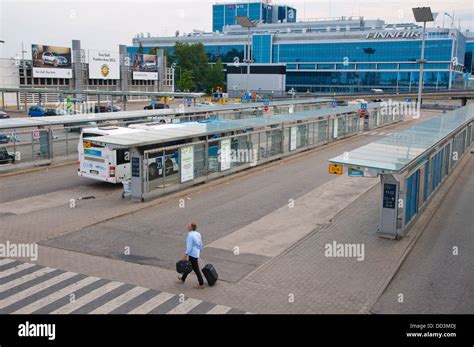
{"type": "Point", "coordinates": [211, 274]}
{"type": "Point", "coordinates": [183, 266]}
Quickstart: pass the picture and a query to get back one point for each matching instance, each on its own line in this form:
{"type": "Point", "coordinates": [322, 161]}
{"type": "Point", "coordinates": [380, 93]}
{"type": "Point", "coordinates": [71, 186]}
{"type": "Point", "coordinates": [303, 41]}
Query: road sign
{"type": "Point", "coordinates": [333, 102]}
{"type": "Point", "coordinates": [265, 108]}
{"type": "Point", "coordinates": [189, 101]}
{"type": "Point", "coordinates": [363, 106]}
{"type": "Point", "coordinates": [335, 169]}
{"type": "Point", "coordinates": [35, 134]}
{"type": "Point", "coordinates": [266, 102]}
{"type": "Point", "coordinates": [355, 173]}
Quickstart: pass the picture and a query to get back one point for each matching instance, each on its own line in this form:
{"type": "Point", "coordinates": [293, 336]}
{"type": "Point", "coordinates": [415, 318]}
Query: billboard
{"type": "Point", "coordinates": [104, 65]}
{"type": "Point", "coordinates": [144, 66]}
{"type": "Point", "coordinates": [51, 61]}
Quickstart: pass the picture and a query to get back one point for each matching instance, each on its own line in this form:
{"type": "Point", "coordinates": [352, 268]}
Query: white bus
{"type": "Point", "coordinates": [101, 163]}
{"type": "Point", "coordinates": [113, 166]}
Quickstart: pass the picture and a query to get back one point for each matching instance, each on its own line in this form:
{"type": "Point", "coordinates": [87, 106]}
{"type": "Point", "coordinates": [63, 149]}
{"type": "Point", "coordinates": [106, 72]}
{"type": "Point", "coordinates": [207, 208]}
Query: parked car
{"type": "Point", "coordinates": [149, 65]}
{"type": "Point", "coordinates": [156, 106]}
{"type": "Point", "coordinates": [115, 108]}
{"type": "Point", "coordinates": [36, 111]}
{"type": "Point", "coordinates": [55, 112]}
{"type": "Point", "coordinates": [6, 157]}
{"type": "Point", "coordinates": [54, 59]}
{"type": "Point", "coordinates": [4, 115]}
{"type": "Point", "coordinates": [4, 138]}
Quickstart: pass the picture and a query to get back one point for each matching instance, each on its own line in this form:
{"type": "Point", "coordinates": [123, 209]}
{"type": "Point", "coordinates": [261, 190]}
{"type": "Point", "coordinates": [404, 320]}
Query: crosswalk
{"type": "Point", "coordinates": [34, 289]}
{"type": "Point", "coordinates": [377, 133]}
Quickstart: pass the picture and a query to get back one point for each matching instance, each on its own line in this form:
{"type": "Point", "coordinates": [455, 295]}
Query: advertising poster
{"type": "Point", "coordinates": [104, 65]}
{"type": "Point", "coordinates": [187, 163]}
{"type": "Point", "coordinates": [51, 61]}
{"type": "Point", "coordinates": [144, 66]}
{"type": "Point", "coordinates": [293, 133]}
{"type": "Point", "coordinates": [225, 155]}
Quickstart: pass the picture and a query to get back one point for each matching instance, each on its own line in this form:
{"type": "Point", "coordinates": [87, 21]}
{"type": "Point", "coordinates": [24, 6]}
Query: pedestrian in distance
{"type": "Point", "coordinates": [193, 253]}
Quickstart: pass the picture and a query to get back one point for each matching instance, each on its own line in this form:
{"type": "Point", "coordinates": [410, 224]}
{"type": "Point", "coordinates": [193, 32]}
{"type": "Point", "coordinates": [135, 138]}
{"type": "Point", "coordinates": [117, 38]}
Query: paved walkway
{"type": "Point", "coordinates": [33, 289]}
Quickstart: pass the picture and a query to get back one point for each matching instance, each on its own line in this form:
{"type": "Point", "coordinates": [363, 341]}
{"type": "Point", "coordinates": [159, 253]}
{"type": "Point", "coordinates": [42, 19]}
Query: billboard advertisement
{"type": "Point", "coordinates": [104, 65]}
{"type": "Point", "coordinates": [51, 61]}
{"type": "Point", "coordinates": [144, 66]}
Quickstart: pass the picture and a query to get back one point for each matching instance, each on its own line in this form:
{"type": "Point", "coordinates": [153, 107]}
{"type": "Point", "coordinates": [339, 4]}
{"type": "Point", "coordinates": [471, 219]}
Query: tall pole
{"type": "Point", "coordinates": [422, 61]}
{"type": "Point", "coordinates": [248, 59]}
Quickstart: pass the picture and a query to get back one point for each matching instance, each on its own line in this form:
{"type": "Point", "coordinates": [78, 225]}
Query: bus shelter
{"type": "Point", "coordinates": [412, 164]}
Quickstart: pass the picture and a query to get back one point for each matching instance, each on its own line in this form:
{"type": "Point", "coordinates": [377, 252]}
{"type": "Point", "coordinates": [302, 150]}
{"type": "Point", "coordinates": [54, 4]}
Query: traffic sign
{"type": "Point", "coordinates": [265, 108]}
{"type": "Point", "coordinates": [355, 173]}
{"type": "Point", "coordinates": [266, 102]}
{"type": "Point", "coordinates": [35, 134]}
{"type": "Point", "coordinates": [363, 106]}
{"type": "Point", "coordinates": [335, 169]}
{"type": "Point", "coordinates": [333, 102]}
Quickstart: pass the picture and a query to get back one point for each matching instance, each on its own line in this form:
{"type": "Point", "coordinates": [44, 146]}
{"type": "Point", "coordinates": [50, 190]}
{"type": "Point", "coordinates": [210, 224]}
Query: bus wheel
{"type": "Point", "coordinates": [152, 171]}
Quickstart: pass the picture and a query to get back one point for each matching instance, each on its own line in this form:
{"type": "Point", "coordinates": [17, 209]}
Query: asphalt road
{"type": "Point", "coordinates": [218, 211]}
{"type": "Point", "coordinates": [433, 279]}
{"type": "Point", "coordinates": [24, 185]}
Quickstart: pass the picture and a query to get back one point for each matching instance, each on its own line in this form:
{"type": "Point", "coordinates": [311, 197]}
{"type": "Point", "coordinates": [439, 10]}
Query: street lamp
{"type": "Point", "coordinates": [422, 14]}
{"type": "Point", "coordinates": [245, 22]}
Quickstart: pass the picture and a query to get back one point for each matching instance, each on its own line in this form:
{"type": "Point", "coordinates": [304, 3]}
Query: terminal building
{"type": "Point", "coordinates": [347, 54]}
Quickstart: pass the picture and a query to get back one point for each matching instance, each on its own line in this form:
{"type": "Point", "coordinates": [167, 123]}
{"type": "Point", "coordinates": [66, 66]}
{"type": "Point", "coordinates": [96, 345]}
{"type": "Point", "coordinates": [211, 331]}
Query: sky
{"type": "Point", "coordinates": [104, 24]}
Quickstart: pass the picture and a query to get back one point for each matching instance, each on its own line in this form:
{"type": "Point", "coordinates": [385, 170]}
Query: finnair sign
{"type": "Point", "coordinates": [404, 34]}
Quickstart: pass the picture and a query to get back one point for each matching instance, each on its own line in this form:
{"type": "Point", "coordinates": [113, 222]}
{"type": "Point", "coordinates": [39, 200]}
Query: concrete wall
{"type": "Point", "coordinates": [263, 83]}
{"type": "Point", "coordinates": [9, 78]}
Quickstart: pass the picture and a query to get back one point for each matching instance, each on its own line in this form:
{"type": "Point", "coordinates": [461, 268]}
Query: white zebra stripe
{"type": "Point", "coordinates": [185, 307]}
{"type": "Point", "coordinates": [14, 283]}
{"type": "Point", "coordinates": [35, 289]}
{"type": "Point", "coordinates": [119, 301]}
{"type": "Point", "coordinates": [151, 304]}
{"type": "Point", "coordinates": [219, 309]}
{"type": "Point", "coordinates": [15, 269]}
{"type": "Point", "coordinates": [6, 261]}
{"type": "Point", "coordinates": [84, 300]}
{"type": "Point", "coordinates": [34, 306]}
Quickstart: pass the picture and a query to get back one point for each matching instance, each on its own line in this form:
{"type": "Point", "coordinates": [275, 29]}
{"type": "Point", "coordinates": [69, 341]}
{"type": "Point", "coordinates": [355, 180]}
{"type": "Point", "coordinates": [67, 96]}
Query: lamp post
{"type": "Point", "coordinates": [245, 22]}
{"type": "Point", "coordinates": [422, 14]}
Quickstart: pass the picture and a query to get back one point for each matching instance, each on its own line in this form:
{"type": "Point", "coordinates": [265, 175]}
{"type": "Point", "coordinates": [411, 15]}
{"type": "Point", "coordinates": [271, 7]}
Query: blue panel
{"type": "Point", "coordinates": [412, 190]}
{"type": "Point", "coordinates": [425, 183]}
{"type": "Point", "coordinates": [261, 46]}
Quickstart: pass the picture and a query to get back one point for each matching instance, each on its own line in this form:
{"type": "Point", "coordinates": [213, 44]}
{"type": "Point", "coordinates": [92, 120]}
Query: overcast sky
{"type": "Point", "coordinates": [104, 24]}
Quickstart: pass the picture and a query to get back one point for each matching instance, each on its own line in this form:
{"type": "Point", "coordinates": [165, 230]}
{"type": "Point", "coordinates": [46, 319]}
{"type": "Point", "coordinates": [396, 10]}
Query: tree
{"type": "Point", "coordinates": [214, 76]}
{"type": "Point", "coordinates": [192, 58]}
{"type": "Point", "coordinates": [140, 48]}
{"type": "Point", "coordinates": [186, 81]}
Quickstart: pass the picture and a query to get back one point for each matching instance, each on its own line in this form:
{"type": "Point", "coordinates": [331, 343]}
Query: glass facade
{"type": "Point", "coordinates": [338, 81]}
{"type": "Point", "coordinates": [262, 47]}
{"type": "Point", "coordinates": [363, 51]}
{"type": "Point", "coordinates": [224, 14]}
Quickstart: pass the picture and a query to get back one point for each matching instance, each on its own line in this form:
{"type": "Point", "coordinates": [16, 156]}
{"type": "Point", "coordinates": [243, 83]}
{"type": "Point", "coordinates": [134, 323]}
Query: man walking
{"type": "Point", "coordinates": [193, 252]}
